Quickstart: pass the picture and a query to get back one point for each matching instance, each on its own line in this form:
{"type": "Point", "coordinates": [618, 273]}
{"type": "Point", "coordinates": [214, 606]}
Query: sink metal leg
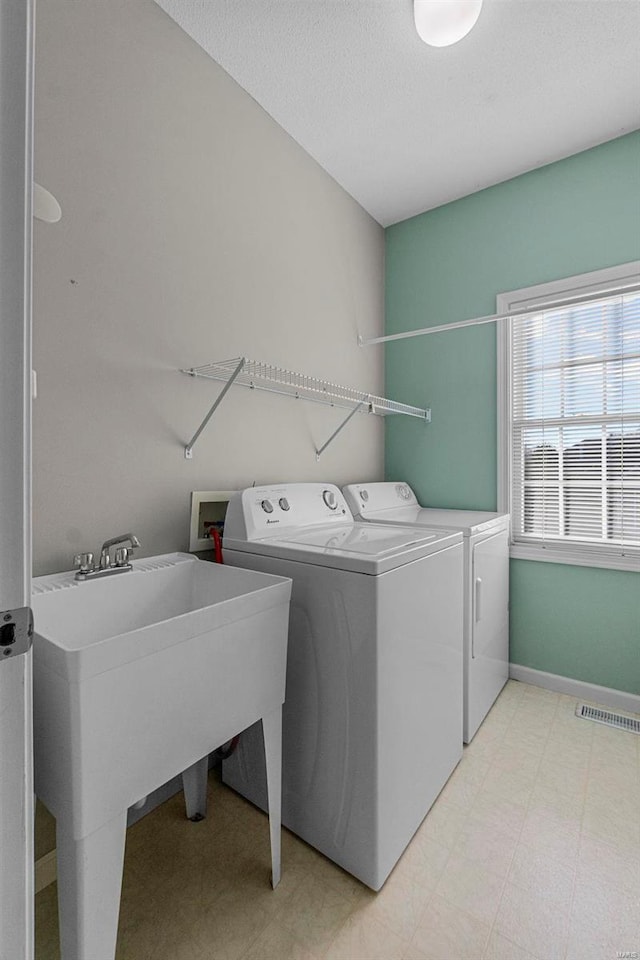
{"type": "Point", "coordinates": [272, 733]}
{"type": "Point", "coordinates": [194, 784]}
{"type": "Point", "coordinates": [89, 886]}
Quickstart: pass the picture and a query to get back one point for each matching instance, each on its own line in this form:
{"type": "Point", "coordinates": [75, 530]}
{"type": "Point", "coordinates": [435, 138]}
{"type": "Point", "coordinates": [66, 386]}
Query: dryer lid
{"type": "Point", "coordinates": [469, 522]}
{"type": "Point", "coordinates": [396, 503]}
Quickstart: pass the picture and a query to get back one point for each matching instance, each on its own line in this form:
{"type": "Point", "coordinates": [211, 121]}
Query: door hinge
{"type": "Point", "coordinates": [16, 632]}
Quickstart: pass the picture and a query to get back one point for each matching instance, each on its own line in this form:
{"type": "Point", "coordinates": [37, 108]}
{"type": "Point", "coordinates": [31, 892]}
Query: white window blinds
{"type": "Point", "coordinates": [575, 429]}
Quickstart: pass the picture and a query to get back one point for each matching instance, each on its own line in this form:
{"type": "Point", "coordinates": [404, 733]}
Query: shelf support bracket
{"type": "Point", "coordinates": [188, 450]}
{"type": "Point", "coordinates": [341, 427]}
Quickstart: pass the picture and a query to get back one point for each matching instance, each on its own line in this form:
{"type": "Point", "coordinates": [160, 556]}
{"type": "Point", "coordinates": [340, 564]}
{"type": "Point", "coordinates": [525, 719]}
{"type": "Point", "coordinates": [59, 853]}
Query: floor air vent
{"type": "Point", "coordinates": [611, 719]}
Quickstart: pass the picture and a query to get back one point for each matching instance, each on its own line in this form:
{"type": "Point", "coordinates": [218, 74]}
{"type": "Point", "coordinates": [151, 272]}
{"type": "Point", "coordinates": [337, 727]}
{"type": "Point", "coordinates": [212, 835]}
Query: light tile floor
{"type": "Point", "coordinates": [531, 852]}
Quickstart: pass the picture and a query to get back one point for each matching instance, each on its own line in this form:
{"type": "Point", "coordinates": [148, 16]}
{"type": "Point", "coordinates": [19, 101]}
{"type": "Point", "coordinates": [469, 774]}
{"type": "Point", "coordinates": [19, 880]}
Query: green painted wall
{"type": "Point", "coordinates": [577, 622]}
{"type": "Point", "coordinates": [570, 217]}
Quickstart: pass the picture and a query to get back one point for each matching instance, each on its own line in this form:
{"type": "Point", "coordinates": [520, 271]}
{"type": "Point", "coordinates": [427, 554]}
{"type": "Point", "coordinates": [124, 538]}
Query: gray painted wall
{"type": "Point", "coordinates": [193, 229]}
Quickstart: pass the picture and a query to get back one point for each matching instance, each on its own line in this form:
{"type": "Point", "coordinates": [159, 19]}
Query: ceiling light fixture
{"type": "Point", "coordinates": [443, 22]}
{"type": "Point", "coordinates": [45, 205]}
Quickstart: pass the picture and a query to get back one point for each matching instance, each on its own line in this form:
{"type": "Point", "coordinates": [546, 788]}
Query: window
{"type": "Point", "coordinates": [570, 424]}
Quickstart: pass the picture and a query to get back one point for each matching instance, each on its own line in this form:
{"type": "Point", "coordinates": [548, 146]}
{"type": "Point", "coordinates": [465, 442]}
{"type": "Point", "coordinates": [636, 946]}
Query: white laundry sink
{"type": "Point", "coordinates": [137, 677]}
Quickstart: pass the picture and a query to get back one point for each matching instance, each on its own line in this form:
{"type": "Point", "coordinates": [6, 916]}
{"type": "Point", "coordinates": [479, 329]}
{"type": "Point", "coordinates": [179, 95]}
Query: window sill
{"type": "Point", "coordinates": [575, 556]}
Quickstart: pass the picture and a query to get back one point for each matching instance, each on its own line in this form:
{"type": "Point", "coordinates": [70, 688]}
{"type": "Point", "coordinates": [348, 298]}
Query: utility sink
{"type": "Point", "coordinates": [138, 677]}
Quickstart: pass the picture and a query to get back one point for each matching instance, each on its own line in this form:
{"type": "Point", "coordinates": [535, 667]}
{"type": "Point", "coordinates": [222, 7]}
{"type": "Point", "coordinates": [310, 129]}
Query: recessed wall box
{"type": "Point", "coordinates": [208, 510]}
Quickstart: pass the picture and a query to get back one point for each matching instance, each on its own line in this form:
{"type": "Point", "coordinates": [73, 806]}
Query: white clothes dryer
{"type": "Point", "coordinates": [486, 584]}
{"type": "Point", "coordinates": [372, 720]}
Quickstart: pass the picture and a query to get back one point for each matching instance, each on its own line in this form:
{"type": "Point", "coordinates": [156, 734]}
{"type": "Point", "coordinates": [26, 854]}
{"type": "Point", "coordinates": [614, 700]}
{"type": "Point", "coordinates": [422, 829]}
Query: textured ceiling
{"type": "Point", "coordinates": [404, 127]}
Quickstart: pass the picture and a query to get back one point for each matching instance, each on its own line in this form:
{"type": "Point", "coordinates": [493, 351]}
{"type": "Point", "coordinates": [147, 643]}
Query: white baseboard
{"type": "Point", "coordinates": [45, 871]}
{"type": "Point", "coordinates": [607, 696]}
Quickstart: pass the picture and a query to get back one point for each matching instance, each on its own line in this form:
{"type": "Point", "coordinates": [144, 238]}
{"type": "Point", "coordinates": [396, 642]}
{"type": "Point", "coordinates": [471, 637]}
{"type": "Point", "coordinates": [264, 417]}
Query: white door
{"type": "Point", "coordinates": [490, 628]}
{"type": "Point", "coordinates": [16, 748]}
{"type": "Point", "coordinates": [488, 665]}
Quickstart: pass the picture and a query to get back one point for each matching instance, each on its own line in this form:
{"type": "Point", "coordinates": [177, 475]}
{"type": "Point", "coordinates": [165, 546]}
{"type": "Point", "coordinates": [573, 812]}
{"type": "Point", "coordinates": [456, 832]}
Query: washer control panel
{"type": "Point", "coordinates": [274, 510]}
{"type": "Point", "coordinates": [330, 499]}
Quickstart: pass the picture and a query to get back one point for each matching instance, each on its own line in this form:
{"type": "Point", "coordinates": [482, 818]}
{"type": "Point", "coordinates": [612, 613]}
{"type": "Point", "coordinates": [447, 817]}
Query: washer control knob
{"type": "Point", "coordinates": [364, 495]}
{"type": "Point", "coordinates": [403, 491]}
{"type": "Point", "coordinates": [284, 503]}
{"type": "Point", "coordinates": [329, 498]}
{"type": "Point", "coordinates": [267, 506]}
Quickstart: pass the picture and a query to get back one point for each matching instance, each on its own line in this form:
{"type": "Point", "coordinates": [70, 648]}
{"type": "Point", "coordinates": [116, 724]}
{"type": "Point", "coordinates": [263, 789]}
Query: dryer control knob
{"type": "Point", "coordinates": [284, 503]}
{"type": "Point", "coordinates": [267, 506]}
{"type": "Point", "coordinates": [329, 498]}
{"type": "Point", "coordinates": [364, 495]}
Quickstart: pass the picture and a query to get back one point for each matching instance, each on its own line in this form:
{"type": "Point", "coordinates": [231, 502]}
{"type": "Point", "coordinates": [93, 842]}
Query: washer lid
{"type": "Point", "coordinates": [370, 548]}
{"type": "Point", "coordinates": [362, 539]}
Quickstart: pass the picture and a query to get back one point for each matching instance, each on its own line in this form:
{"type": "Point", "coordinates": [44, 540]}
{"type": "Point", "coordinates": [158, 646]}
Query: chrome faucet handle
{"type": "Point", "coordinates": [84, 562]}
{"type": "Point", "coordinates": [121, 558]}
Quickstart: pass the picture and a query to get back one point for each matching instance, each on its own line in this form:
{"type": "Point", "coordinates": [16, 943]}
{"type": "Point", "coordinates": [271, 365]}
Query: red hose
{"type": "Point", "coordinates": [225, 751]}
{"type": "Point", "coordinates": [217, 545]}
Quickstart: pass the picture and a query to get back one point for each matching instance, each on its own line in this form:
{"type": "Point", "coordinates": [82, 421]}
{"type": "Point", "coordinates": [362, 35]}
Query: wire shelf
{"type": "Point", "coordinates": [264, 376]}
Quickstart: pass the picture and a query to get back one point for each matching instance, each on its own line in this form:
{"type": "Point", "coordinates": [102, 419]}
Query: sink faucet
{"type": "Point", "coordinates": [122, 554]}
{"type": "Point", "coordinates": [121, 561]}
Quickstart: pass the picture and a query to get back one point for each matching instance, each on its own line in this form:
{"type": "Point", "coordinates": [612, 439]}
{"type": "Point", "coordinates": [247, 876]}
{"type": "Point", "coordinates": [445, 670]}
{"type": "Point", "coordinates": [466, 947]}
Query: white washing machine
{"type": "Point", "coordinates": [486, 584]}
{"type": "Point", "coordinates": [372, 720]}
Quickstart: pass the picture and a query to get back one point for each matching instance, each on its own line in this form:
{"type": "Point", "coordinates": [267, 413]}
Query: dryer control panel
{"type": "Point", "coordinates": [366, 498]}
{"type": "Point", "coordinates": [260, 512]}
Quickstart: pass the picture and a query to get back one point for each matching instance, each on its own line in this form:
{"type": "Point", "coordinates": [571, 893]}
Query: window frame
{"type": "Point", "coordinates": [518, 301]}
